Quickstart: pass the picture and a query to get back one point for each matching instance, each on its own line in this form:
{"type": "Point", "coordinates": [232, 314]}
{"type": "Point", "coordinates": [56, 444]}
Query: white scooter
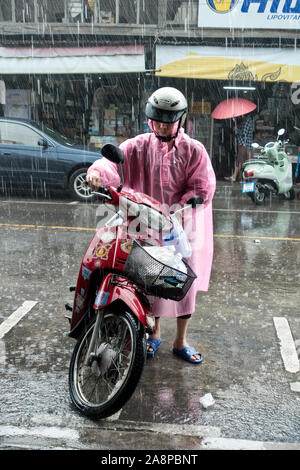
{"type": "Point", "coordinates": [269, 173]}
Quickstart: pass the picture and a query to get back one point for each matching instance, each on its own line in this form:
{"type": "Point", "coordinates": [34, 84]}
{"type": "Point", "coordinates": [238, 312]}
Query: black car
{"type": "Point", "coordinates": [37, 157]}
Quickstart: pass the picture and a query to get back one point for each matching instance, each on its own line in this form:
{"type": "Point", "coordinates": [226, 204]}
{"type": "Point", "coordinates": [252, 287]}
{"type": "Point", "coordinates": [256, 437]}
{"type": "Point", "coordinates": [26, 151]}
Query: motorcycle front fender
{"type": "Point", "coordinates": [117, 288]}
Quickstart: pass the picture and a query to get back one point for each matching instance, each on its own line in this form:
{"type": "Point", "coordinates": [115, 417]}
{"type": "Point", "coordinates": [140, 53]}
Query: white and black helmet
{"type": "Point", "coordinates": [167, 105]}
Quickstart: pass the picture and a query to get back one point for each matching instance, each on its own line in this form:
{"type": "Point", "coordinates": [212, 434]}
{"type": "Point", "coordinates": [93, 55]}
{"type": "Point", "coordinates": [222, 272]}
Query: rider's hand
{"type": "Point", "coordinates": [93, 179]}
{"type": "Point", "coordinates": [195, 200]}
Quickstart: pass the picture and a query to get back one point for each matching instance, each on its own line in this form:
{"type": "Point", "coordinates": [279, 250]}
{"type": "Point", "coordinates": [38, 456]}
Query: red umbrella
{"type": "Point", "coordinates": [233, 107]}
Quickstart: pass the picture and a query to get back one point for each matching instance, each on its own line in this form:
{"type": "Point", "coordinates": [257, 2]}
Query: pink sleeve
{"type": "Point", "coordinates": [201, 180]}
{"type": "Point", "coordinates": [108, 172]}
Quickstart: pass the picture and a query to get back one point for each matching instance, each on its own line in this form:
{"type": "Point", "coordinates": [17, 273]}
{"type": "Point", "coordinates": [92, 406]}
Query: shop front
{"type": "Point", "coordinates": [92, 95]}
{"type": "Point", "coordinates": [96, 95]}
{"type": "Point", "coordinates": [209, 75]}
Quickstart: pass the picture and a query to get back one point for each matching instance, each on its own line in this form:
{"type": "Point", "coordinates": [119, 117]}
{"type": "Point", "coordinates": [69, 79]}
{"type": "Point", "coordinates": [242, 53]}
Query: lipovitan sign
{"type": "Point", "coordinates": [249, 14]}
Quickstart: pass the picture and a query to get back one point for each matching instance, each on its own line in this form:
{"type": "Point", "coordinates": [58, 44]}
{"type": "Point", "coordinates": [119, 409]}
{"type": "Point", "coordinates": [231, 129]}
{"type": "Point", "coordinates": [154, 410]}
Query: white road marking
{"type": "Point", "coordinates": [287, 345]}
{"type": "Point", "coordinates": [220, 443]}
{"type": "Point", "coordinates": [209, 436]}
{"type": "Point", "coordinates": [43, 431]}
{"type": "Point", "coordinates": [160, 428]}
{"type": "Point", "coordinates": [295, 386]}
{"type": "Point", "coordinates": [115, 417]}
{"type": "Point", "coordinates": [2, 352]}
{"type": "Point", "coordinates": [15, 317]}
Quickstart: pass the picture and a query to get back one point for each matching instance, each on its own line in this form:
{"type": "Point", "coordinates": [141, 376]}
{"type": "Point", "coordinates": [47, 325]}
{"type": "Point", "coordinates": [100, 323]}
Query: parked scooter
{"type": "Point", "coordinates": [111, 313]}
{"type": "Point", "coordinates": [270, 172]}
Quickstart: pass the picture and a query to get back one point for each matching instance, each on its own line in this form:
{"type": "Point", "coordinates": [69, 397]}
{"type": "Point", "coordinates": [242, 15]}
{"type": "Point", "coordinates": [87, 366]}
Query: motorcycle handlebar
{"type": "Point", "coordinates": [195, 200]}
{"type": "Point", "coordinates": [103, 193]}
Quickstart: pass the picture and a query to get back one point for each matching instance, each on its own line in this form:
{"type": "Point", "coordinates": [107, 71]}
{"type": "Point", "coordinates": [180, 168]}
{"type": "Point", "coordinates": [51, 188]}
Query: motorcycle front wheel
{"type": "Point", "coordinates": [102, 383]}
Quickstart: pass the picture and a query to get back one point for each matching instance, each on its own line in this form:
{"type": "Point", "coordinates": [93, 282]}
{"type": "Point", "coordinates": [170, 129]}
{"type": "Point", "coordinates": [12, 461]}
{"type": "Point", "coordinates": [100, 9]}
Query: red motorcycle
{"type": "Point", "coordinates": [111, 313]}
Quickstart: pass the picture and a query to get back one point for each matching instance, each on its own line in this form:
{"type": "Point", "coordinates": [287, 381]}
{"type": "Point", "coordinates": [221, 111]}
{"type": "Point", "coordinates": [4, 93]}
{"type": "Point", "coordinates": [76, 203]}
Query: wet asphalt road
{"type": "Point", "coordinates": [254, 293]}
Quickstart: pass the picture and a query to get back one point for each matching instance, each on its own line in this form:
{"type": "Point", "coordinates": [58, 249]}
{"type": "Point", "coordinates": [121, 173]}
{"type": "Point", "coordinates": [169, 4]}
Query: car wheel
{"type": "Point", "coordinates": [78, 185]}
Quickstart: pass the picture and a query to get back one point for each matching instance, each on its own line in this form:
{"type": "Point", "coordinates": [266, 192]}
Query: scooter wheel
{"type": "Point", "coordinates": [257, 196]}
{"type": "Point", "coordinates": [290, 195]}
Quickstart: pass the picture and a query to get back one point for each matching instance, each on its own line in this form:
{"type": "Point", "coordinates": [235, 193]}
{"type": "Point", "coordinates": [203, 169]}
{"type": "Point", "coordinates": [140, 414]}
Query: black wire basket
{"type": "Point", "coordinates": [155, 277]}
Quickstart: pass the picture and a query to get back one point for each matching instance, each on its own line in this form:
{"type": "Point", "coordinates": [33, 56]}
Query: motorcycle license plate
{"type": "Point", "coordinates": [248, 187]}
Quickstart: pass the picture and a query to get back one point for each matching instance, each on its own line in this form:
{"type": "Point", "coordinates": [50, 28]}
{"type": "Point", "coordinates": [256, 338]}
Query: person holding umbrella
{"type": "Point", "coordinates": [244, 129]}
{"type": "Point", "coordinates": [231, 109]}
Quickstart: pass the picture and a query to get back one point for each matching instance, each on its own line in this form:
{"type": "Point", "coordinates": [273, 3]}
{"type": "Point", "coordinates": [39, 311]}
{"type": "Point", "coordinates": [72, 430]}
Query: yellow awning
{"type": "Point", "coordinates": [250, 64]}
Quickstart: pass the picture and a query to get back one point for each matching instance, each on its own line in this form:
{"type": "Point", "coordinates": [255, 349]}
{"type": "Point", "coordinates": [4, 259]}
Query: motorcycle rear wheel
{"type": "Point", "coordinates": [258, 197]}
{"type": "Point", "coordinates": [102, 387]}
{"type": "Point", "coordinates": [290, 195]}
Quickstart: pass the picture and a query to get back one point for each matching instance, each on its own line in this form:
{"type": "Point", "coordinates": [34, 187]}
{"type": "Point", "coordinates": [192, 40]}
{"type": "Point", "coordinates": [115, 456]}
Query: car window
{"type": "Point", "coordinates": [18, 134]}
{"type": "Point", "coordinates": [62, 139]}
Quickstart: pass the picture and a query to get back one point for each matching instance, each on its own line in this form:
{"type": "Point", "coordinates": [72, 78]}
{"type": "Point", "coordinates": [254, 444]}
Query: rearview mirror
{"type": "Point", "coordinates": [281, 131]}
{"type": "Point", "coordinates": [112, 153]}
{"type": "Point", "coordinates": [115, 155]}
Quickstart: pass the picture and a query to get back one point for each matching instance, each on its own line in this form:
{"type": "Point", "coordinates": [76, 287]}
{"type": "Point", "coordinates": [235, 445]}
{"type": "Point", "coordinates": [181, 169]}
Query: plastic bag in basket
{"type": "Point", "coordinates": [178, 239]}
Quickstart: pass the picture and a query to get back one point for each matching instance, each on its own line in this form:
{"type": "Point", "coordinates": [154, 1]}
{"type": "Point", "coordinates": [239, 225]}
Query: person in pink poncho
{"type": "Point", "coordinates": [174, 169]}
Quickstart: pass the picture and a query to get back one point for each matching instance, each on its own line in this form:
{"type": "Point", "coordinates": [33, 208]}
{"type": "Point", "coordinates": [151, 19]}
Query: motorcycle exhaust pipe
{"type": "Point", "coordinates": [265, 187]}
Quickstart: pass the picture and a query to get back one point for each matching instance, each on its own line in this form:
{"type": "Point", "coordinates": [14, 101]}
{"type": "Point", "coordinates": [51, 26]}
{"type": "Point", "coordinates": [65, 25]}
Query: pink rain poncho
{"type": "Point", "coordinates": [172, 177]}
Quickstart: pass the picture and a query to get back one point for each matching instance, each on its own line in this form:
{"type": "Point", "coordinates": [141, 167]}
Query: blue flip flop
{"type": "Point", "coordinates": [186, 354]}
{"type": "Point", "coordinates": [228, 178]}
{"type": "Point", "coordinates": [154, 344]}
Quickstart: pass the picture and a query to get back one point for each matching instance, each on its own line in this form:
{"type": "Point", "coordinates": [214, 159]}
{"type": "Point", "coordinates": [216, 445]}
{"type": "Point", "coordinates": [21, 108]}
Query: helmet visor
{"type": "Point", "coordinates": [162, 115]}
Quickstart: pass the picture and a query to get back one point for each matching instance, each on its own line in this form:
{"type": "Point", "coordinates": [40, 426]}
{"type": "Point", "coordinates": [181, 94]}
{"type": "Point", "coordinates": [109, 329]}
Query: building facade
{"type": "Point", "coordinates": [86, 67]}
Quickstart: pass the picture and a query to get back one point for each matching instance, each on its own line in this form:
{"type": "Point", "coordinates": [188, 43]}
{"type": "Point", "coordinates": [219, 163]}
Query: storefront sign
{"type": "Point", "coordinates": [262, 14]}
{"type": "Point", "coordinates": [228, 63]}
